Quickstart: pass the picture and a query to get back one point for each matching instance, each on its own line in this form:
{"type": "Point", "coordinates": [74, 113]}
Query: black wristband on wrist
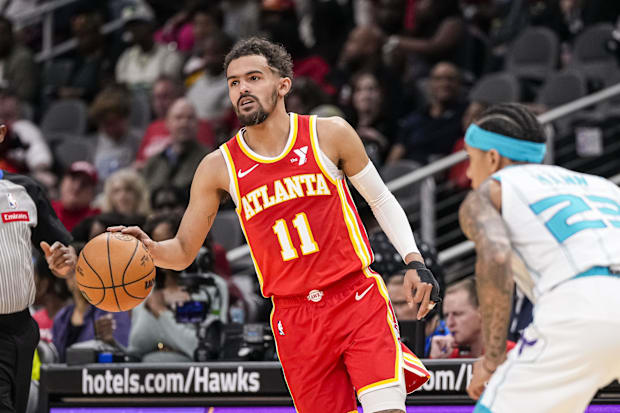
{"type": "Point", "coordinates": [426, 276]}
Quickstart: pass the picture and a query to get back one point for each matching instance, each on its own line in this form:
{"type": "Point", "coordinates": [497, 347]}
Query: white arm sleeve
{"type": "Point", "coordinates": [387, 210]}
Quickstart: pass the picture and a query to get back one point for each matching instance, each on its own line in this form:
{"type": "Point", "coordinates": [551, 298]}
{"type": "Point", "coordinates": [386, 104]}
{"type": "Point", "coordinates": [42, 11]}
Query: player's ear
{"type": "Point", "coordinates": [2, 132]}
{"type": "Point", "coordinates": [494, 160]}
{"type": "Point", "coordinates": [284, 86]}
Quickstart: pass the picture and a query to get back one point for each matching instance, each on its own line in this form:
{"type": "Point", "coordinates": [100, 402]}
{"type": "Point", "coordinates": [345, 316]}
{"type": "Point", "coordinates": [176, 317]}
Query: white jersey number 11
{"type": "Point", "coordinates": [308, 244]}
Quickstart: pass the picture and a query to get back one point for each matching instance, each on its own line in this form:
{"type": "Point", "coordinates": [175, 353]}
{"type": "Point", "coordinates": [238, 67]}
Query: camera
{"type": "Point", "coordinates": [249, 342]}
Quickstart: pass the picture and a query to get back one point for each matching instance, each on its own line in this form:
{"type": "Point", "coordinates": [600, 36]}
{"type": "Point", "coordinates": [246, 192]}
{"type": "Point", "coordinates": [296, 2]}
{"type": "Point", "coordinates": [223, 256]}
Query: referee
{"type": "Point", "coordinates": [26, 217]}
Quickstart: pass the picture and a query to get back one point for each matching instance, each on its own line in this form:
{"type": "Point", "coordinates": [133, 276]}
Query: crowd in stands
{"type": "Point", "coordinates": [115, 128]}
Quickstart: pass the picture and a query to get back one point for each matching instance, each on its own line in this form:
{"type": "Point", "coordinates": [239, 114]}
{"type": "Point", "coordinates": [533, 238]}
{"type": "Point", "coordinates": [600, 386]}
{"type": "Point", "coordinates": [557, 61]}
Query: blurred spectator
{"type": "Point", "coordinates": [370, 116]}
{"type": "Point", "coordinates": [13, 8]}
{"type": "Point", "coordinates": [305, 96]}
{"type": "Point", "coordinates": [206, 21]}
{"type": "Point", "coordinates": [434, 130]}
{"type": "Point", "coordinates": [241, 17]}
{"type": "Point", "coordinates": [51, 296]}
{"type": "Point", "coordinates": [81, 321]}
{"type": "Point", "coordinates": [142, 63]}
{"type": "Point", "coordinates": [209, 94]}
{"type": "Point", "coordinates": [94, 225]}
{"type": "Point", "coordinates": [433, 325]}
{"type": "Point", "coordinates": [362, 52]}
{"type": "Point", "coordinates": [168, 199]}
{"type": "Point", "coordinates": [77, 192]}
{"type": "Point", "coordinates": [463, 319]}
{"type": "Point", "coordinates": [24, 149]}
{"type": "Point", "coordinates": [177, 163]}
{"type": "Point", "coordinates": [116, 145]}
{"type": "Point", "coordinates": [91, 66]}
{"type": "Point", "coordinates": [178, 28]}
{"type": "Point", "coordinates": [125, 193]}
{"type": "Point", "coordinates": [165, 91]}
{"type": "Point", "coordinates": [155, 335]}
{"type": "Point", "coordinates": [18, 71]}
{"type": "Point", "coordinates": [438, 34]}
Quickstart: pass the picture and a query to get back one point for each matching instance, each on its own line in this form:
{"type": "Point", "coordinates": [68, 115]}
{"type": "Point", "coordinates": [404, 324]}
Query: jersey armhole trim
{"type": "Point", "coordinates": [233, 187]}
{"type": "Point", "coordinates": [329, 169]}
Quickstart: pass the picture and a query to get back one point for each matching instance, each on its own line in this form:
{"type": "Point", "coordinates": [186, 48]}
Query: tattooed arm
{"type": "Point", "coordinates": [482, 223]}
{"type": "Point", "coordinates": [209, 187]}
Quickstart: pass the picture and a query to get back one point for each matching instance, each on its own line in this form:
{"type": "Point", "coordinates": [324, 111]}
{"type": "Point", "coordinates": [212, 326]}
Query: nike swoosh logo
{"type": "Point", "coordinates": [359, 296]}
{"type": "Point", "coordinates": [241, 173]}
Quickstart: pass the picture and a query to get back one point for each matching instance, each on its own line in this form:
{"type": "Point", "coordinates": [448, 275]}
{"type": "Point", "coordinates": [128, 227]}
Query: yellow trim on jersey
{"type": "Point", "coordinates": [316, 150]}
{"type": "Point", "coordinates": [273, 330]}
{"type": "Point", "coordinates": [287, 149]}
{"type": "Point", "coordinates": [354, 231]}
{"type": "Point", "coordinates": [391, 322]}
{"type": "Point", "coordinates": [226, 153]}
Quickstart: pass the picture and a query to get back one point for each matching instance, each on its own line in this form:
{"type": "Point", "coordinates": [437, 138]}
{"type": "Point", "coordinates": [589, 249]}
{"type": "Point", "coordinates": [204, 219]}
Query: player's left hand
{"type": "Point", "coordinates": [483, 370]}
{"type": "Point", "coordinates": [421, 280]}
{"type": "Point", "coordinates": [60, 258]}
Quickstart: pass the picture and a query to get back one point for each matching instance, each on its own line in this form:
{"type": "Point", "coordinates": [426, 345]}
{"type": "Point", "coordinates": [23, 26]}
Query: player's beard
{"type": "Point", "coordinates": [259, 115]}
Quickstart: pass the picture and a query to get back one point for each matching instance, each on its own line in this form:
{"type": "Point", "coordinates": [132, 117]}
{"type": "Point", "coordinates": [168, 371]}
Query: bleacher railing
{"type": "Point", "coordinates": [425, 175]}
{"type": "Point", "coordinates": [45, 14]}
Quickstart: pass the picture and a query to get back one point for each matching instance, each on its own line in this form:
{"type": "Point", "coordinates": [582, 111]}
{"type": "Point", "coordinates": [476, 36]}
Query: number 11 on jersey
{"type": "Point", "coordinates": [308, 244]}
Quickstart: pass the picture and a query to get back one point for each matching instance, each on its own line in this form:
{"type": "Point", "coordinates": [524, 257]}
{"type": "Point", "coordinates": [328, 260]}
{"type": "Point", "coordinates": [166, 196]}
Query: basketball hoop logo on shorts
{"type": "Point", "coordinates": [315, 296]}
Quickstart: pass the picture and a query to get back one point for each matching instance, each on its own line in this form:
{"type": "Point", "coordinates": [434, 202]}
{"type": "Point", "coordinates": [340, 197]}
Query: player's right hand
{"type": "Point", "coordinates": [138, 233]}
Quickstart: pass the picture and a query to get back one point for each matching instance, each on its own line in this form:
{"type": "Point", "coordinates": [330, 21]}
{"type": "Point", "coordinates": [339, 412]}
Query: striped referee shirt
{"type": "Point", "coordinates": [26, 218]}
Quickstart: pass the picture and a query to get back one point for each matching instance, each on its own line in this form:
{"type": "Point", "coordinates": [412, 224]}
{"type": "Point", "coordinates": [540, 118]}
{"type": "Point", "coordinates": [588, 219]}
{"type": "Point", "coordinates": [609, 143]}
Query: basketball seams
{"type": "Point", "coordinates": [125, 271]}
{"type": "Point", "coordinates": [135, 281]}
{"type": "Point", "coordinates": [111, 275]}
{"type": "Point", "coordinates": [103, 287]}
{"type": "Point", "coordinates": [142, 277]}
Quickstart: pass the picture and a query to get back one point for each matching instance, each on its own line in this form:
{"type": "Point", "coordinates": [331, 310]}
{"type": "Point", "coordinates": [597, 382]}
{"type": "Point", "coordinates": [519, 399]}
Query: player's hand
{"type": "Point", "coordinates": [426, 289]}
{"type": "Point", "coordinates": [442, 346]}
{"type": "Point", "coordinates": [105, 327]}
{"type": "Point", "coordinates": [483, 370]}
{"type": "Point", "coordinates": [60, 258]}
{"type": "Point", "coordinates": [138, 233]}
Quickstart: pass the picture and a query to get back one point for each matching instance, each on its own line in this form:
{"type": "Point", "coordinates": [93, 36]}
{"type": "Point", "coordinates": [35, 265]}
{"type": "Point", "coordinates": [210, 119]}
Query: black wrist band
{"type": "Point", "coordinates": [416, 265]}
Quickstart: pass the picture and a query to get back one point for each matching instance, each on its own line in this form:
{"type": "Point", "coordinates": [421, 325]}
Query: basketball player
{"type": "Point", "coordinates": [565, 227]}
{"type": "Point", "coordinates": [26, 217]}
{"type": "Point", "coordinates": [333, 324]}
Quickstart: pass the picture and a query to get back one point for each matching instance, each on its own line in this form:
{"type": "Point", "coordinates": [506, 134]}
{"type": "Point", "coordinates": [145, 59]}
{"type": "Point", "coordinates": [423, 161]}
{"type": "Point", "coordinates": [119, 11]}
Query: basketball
{"type": "Point", "coordinates": [115, 272]}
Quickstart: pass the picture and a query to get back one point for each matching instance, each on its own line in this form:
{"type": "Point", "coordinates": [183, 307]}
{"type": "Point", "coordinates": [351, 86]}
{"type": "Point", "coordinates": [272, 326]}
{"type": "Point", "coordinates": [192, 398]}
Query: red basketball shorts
{"type": "Point", "coordinates": [335, 342]}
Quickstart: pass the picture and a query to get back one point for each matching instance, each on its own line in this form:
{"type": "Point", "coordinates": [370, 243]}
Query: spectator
{"type": "Point", "coordinates": [433, 325]}
{"type": "Point", "coordinates": [370, 116]}
{"type": "Point", "coordinates": [17, 67]}
{"type": "Point", "coordinates": [24, 150]}
{"type": "Point", "coordinates": [116, 145]}
{"type": "Point", "coordinates": [435, 129]}
{"type": "Point", "coordinates": [51, 296]}
{"type": "Point", "coordinates": [125, 193]}
{"type": "Point", "coordinates": [206, 21]}
{"type": "Point", "coordinates": [81, 321]}
{"type": "Point", "coordinates": [241, 17]}
{"type": "Point", "coordinates": [305, 96]}
{"type": "Point", "coordinates": [91, 63]}
{"type": "Point", "coordinates": [94, 225]}
{"type": "Point", "coordinates": [439, 33]}
{"type": "Point", "coordinates": [179, 29]}
{"type": "Point", "coordinates": [165, 91]}
{"type": "Point", "coordinates": [177, 163]}
{"type": "Point", "coordinates": [141, 64]}
{"type": "Point", "coordinates": [155, 335]}
{"type": "Point", "coordinates": [168, 199]}
{"type": "Point", "coordinates": [209, 94]}
{"type": "Point", "coordinates": [461, 311]}
{"type": "Point", "coordinates": [77, 192]}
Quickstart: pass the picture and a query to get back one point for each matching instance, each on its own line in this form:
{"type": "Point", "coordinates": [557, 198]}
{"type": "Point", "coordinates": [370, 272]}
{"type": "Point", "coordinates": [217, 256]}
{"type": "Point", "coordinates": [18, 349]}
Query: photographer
{"type": "Point", "coordinates": [157, 335]}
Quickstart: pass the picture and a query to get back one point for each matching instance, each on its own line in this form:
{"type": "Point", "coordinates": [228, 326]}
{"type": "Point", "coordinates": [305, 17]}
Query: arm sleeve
{"type": "Point", "coordinates": [386, 209]}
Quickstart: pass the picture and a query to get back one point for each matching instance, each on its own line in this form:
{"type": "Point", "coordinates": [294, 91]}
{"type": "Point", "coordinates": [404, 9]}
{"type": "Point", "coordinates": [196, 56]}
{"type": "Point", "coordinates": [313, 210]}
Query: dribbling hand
{"type": "Point", "coordinates": [138, 233]}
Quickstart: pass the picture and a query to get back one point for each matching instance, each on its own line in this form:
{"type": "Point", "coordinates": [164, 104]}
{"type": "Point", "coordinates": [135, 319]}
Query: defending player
{"type": "Point", "coordinates": [333, 324]}
{"type": "Point", "coordinates": [565, 227]}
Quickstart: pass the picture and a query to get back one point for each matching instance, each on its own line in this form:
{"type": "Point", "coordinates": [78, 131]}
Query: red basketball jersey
{"type": "Point", "coordinates": [300, 221]}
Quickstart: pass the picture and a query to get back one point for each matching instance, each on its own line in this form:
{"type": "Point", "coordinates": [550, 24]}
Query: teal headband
{"type": "Point", "coordinates": [516, 149]}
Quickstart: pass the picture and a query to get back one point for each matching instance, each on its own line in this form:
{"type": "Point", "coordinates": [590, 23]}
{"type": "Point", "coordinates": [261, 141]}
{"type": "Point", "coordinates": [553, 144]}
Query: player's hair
{"type": "Point", "coordinates": [513, 120]}
{"type": "Point", "coordinates": [468, 285]}
{"type": "Point", "coordinates": [277, 57]}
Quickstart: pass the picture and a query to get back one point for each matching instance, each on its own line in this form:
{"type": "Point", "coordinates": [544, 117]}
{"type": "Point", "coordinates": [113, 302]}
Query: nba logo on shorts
{"type": "Point", "coordinates": [280, 328]}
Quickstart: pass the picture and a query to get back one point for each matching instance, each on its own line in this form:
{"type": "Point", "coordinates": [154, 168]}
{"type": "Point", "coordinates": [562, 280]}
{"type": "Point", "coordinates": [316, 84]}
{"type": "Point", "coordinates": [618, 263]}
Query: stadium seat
{"type": "Point", "coordinates": [73, 148]}
{"type": "Point", "coordinates": [534, 54]}
{"type": "Point", "coordinates": [590, 57]}
{"type": "Point", "coordinates": [66, 116]}
{"type": "Point", "coordinates": [496, 88]}
{"type": "Point", "coordinates": [560, 88]}
{"type": "Point", "coordinates": [226, 230]}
